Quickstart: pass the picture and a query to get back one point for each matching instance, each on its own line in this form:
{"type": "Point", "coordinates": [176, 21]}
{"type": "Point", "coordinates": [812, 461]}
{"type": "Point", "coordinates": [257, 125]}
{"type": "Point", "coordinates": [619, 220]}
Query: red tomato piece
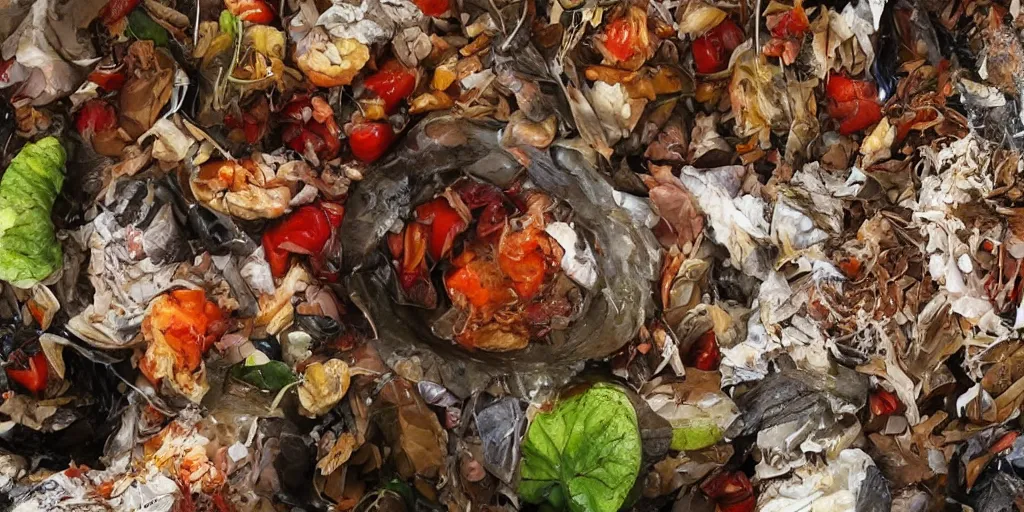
{"type": "Point", "coordinates": [445, 224]}
{"type": "Point", "coordinates": [369, 141]}
{"type": "Point", "coordinates": [705, 354]}
{"type": "Point", "coordinates": [393, 83]}
{"type": "Point", "coordinates": [305, 231]}
{"type": "Point", "coordinates": [480, 284]}
{"type": "Point", "coordinates": [115, 10]}
{"type": "Point", "coordinates": [34, 377]}
{"type": "Point", "coordinates": [253, 11]}
{"type": "Point", "coordinates": [883, 403]}
{"type": "Point", "coordinates": [432, 7]}
{"type": "Point", "coordinates": [521, 257]}
{"type": "Point", "coordinates": [854, 103]}
{"type": "Point", "coordinates": [107, 80]}
{"type": "Point", "coordinates": [5, 66]}
{"type": "Point", "coordinates": [732, 492]}
{"type": "Point", "coordinates": [95, 116]}
{"type": "Point", "coordinates": [866, 114]}
{"type": "Point", "coordinates": [791, 23]}
{"type": "Point", "coordinates": [620, 38]}
{"type": "Point", "coordinates": [712, 50]}
{"type": "Point", "coordinates": [841, 88]}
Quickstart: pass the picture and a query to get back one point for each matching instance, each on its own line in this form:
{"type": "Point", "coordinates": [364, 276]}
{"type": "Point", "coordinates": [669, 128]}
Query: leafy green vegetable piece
{"type": "Point", "coordinates": [271, 376]}
{"type": "Point", "coordinates": [29, 250]}
{"type": "Point", "coordinates": [585, 454]}
{"type": "Point", "coordinates": [228, 23]}
{"type": "Point", "coordinates": [145, 29]}
{"type": "Point", "coordinates": [695, 435]}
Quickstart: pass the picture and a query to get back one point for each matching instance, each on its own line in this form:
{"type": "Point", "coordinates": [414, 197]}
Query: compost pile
{"type": "Point", "coordinates": [586, 255]}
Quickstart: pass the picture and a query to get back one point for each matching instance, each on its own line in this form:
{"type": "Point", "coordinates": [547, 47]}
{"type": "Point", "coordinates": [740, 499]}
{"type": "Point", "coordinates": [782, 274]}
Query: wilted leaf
{"type": "Point", "coordinates": [339, 454]}
{"type": "Point", "coordinates": [323, 386]}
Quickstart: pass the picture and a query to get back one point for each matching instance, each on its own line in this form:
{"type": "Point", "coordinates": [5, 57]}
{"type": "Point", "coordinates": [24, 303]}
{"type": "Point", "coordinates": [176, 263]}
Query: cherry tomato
{"type": "Point", "coordinates": [305, 231]}
{"type": "Point", "coordinates": [705, 354]}
{"type": "Point", "coordinates": [107, 80]}
{"type": "Point", "coordinates": [393, 83]}
{"type": "Point", "coordinates": [883, 403]}
{"type": "Point", "coordinates": [445, 223]}
{"type": "Point", "coordinates": [433, 8]}
{"type": "Point", "coordinates": [712, 50]}
{"type": "Point", "coordinates": [34, 377]}
{"type": "Point", "coordinates": [116, 10]}
{"type": "Point", "coordinates": [620, 38]}
{"type": "Point", "coordinates": [253, 11]}
{"type": "Point", "coordinates": [95, 116]}
{"type": "Point", "coordinates": [369, 141]}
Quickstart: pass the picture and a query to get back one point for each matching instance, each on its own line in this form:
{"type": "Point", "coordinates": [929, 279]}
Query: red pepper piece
{"type": "Point", "coordinates": [433, 8]}
{"type": "Point", "coordinates": [34, 377]}
{"type": "Point", "coordinates": [369, 141]}
{"type": "Point", "coordinates": [732, 492]}
{"type": "Point", "coordinates": [883, 403]}
{"type": "Point", "coordinates": [107, 80]}
{"type": "Point", "coordinates": [95, 116]}
{"type": "Point", "coordinates": [445, 224]}
{"type": "Point", "coordinates": [253, 11]}
{"type": "Point", "coordinates": [712, 50]}
{"type": "Point", "coordinates": [392, 83]}
{"type": "Point", "coordinates": [705, 354]}
{"type": "Point", "coordinates": [305, 231]}
{"type": "Point", "coordinates": [115, 10]}
{"type": "Point", "coordinates": [1004, 443]}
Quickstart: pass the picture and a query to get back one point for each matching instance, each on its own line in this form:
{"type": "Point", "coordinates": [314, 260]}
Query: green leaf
{"type": "Point", "coordinates": [585, 454]}
{"type": "Point", "coordinates": [29, 250]}
{"type": "Point", "coordinates": [271, 376]}
{"type": "Point", "coordinates": [145, 29]}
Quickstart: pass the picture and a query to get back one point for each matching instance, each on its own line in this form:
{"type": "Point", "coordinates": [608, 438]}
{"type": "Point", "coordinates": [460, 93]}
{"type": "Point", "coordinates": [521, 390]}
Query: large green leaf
{"type": "Point", "coordinates": [29, 250]}
{"type": "Point", "coordinates": [585, 454]}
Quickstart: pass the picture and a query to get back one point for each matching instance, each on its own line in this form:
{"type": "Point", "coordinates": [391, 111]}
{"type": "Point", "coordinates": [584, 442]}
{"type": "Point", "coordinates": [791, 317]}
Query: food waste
{"type": "Point", "coordinates": [511, 255]}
